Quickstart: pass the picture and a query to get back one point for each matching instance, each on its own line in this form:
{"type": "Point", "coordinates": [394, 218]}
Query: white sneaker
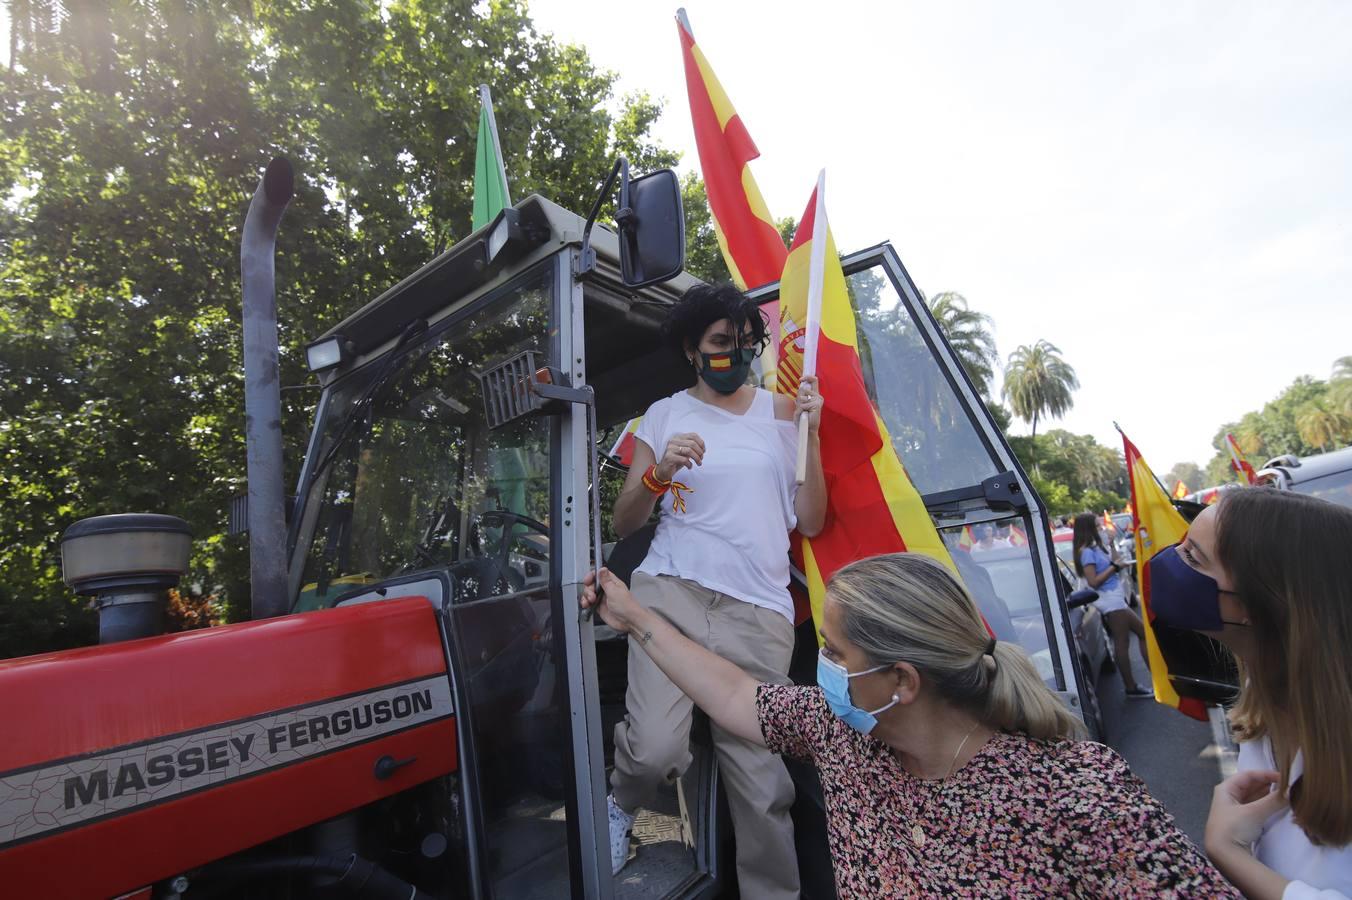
{"type": "Point", "coordinates": [620, 824]}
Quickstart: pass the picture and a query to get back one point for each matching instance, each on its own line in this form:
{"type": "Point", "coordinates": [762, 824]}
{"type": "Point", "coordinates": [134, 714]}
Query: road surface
{"type": "Point", "coordinates": [1178, 758]}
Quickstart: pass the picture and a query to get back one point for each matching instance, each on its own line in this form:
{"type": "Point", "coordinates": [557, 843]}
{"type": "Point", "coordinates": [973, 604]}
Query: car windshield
{"type": "Point", "coordinates": [420, 480]}
{"type": "Point", "coordinates": [1335, 487]}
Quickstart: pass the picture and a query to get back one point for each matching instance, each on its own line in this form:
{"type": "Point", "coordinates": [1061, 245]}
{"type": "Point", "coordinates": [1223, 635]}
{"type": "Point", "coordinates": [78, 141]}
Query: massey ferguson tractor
{"type": "Point", "coordinates": [417, 708]}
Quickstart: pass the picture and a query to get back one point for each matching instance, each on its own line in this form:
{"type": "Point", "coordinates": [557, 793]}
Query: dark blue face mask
{"type": "Point", "coordinates": [1182, 597]}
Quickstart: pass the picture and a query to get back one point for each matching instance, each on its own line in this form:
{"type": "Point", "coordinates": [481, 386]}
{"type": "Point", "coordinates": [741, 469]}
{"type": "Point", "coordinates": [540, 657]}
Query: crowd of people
{"type": "Point", "coordinates": [947, 766]}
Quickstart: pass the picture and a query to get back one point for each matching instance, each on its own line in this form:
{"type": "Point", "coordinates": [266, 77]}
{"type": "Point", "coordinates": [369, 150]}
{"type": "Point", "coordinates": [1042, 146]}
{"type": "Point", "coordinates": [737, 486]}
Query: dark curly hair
{"type": "Point", "coordinates": [705, 304]}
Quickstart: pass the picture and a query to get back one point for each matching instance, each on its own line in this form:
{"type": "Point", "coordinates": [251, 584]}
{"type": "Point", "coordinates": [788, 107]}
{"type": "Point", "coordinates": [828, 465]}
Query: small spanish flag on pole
{"type": "Point", "coordinates": [1180, 490]}
{"type": "Point", "coordinates": [1156, 525]}
{"type": "Point", "coordinates": [1238, 464]}
{"type": "Point", "coordinates": [623, 449]}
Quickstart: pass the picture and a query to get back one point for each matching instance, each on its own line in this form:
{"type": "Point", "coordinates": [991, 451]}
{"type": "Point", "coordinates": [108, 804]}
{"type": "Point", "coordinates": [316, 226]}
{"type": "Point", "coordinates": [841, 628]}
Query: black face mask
{"type": "Point", "coordinates": [1182, 597]}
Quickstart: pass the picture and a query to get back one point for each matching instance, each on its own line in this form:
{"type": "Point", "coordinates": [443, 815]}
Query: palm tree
{"type": "Point", "coordinates": [1320, 426]}
{"type": "Point", "coordinates": [1039, 382]}
{"type": "Point", "coordinates": [969, 334]}
{"type": "Point", "coordinates": [1340, 388]}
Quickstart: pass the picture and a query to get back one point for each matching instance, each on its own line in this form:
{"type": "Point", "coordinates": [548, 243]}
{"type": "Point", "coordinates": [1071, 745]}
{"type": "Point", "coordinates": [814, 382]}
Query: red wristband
{"type": "Point", "coordinates": [653, 483]}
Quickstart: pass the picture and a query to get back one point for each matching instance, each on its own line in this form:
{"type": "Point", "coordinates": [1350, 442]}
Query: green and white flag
{"type": "Point", "coordinates": [490, 175]}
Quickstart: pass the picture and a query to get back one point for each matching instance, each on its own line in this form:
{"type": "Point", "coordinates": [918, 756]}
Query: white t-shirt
{"type": "Point", "coordinates": [733, 536]}
{"type": "Point", "coordinates": [1316, 873]}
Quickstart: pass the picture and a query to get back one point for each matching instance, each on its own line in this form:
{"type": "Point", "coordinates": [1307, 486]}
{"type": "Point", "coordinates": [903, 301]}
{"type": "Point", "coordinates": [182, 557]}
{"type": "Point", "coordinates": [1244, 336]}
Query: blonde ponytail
{"type": "Point", "coordinates": [1018, 700]}
{"type": "Point", "coordinates": [907, 607]}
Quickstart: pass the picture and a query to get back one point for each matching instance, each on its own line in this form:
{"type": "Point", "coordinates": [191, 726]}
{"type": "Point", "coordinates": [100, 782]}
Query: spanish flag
{"type": "Point", "coordinates": [1157, 525]}
{"type": "Point", "coordinates": [872, 506]}
{"type": "Point", "coordinates": [746, 233]}
{"type": "Point", "coordinates": [1242, 468]}
{"type": "Point", "coordinates": [1180, 491]}
{"type": "Point", "coordinates": [623, 449]}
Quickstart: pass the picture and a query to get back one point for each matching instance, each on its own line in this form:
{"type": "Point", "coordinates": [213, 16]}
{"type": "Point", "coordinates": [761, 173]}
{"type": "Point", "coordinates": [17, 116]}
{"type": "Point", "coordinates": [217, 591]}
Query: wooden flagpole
{"type": "Point", "coordinates": [815, 282]}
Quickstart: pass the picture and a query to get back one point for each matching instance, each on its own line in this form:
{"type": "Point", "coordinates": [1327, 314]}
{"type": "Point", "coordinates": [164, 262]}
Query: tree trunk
{"type": "Point", "coordinates": [1033, 446]}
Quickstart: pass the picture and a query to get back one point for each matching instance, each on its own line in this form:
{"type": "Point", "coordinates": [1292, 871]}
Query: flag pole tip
{"type": "Point", "coordinates": [684, 21]}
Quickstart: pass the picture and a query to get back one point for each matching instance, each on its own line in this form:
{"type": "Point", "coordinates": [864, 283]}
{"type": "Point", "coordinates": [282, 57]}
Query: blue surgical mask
{"type": "Point", "coordinates": [1181, 596]}
{"type": "Point", "coordinates": [834, 680]}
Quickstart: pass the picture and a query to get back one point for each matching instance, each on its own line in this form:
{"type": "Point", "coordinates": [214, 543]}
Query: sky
{"type": "Point", "coordinates": [1161, 189]}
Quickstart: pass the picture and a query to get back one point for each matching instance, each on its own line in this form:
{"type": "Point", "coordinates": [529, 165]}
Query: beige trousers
{"type": "Point", "coordinates": [652, 743]}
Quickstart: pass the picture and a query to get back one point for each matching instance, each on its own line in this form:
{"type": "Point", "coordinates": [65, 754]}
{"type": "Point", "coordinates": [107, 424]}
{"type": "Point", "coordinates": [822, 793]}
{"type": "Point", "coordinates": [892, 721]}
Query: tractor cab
{"type": "Point", "coordinates": [454, 457]}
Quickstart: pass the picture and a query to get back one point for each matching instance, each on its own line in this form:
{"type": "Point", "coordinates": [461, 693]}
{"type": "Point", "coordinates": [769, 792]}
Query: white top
{"type": "Point", "coordinates": [1316, 873]}
{"type": "Point", "coordinates": [733, 536]}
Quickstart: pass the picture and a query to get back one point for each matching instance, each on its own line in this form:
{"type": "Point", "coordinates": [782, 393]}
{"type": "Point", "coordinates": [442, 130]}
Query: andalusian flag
{"type": "Point", "coordinates": [746, 233]}
{"type": "Point", "coordinates": [872, 505]}
{"type": "Point", "coordinates": [1241, 467]}
{"type": "Point", "coordinates": [490, 175]}
{"type": "Point", "coordinates": [1157, 525]}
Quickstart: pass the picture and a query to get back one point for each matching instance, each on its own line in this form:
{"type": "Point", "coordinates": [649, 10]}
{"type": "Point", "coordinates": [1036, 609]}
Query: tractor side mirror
{"type": "Point", "coordinates": [652, 229]}
{"type": "Point", "coordinates": [651, 224]}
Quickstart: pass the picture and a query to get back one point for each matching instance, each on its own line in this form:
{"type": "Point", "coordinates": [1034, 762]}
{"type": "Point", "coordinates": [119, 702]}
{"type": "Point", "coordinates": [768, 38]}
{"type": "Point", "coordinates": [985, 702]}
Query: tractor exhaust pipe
{"type": "Point", "coordinates": [262, 391]}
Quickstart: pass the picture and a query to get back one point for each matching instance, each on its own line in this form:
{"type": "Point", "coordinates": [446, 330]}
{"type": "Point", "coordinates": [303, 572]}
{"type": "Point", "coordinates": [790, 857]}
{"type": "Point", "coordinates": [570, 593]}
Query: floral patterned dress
{"type": "Point", "coordinates": [1023, 818]}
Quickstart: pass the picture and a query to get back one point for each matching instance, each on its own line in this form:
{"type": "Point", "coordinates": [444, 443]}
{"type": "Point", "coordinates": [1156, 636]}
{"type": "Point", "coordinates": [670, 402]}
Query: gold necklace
{"type": "Point", "coordinates": [918, 833]}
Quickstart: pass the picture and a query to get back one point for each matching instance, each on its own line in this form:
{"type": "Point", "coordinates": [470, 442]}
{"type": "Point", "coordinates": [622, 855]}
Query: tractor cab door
{"type": "Point", "coordinates": [963, 468]}
{"type": "Point", "coordinates": [413, 481]}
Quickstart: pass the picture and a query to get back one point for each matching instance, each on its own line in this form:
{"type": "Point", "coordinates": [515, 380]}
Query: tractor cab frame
{"type": "Point", "coordinates": [453, 457]}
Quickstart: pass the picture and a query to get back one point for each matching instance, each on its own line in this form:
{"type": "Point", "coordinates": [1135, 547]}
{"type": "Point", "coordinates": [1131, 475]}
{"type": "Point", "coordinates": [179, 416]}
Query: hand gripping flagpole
{"type": "Point", "coordinates": [816, 280]}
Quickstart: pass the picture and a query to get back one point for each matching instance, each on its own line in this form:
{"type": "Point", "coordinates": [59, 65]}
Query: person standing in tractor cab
{"type": "Point", "coordinates": [947, 766]}
{"type": "Point", "coordinates": [1099, 568]}
{"type": "Point", "coordinates": [719, 458]}
{"type": "Point", "coordinates": [1263, 572]}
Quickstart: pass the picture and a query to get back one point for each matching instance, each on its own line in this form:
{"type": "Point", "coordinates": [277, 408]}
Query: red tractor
{"type": "Point", "coordinates": [417, 708]}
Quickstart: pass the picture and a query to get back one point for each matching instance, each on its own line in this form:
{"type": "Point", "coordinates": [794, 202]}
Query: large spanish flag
{"type": "Point", "coordinates": [746, 233]}
{"type": "Point", "coordinates": [1157, 525]}
{"type": "Point", "coordinates": [872, 506]}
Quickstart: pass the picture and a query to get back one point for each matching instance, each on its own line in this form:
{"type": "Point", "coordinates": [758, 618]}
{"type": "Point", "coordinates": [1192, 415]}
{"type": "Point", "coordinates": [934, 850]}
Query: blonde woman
{"type": "Point", "coordinates": [1264, 572]}
{"type": "Point", "coordinates": [947, 766]}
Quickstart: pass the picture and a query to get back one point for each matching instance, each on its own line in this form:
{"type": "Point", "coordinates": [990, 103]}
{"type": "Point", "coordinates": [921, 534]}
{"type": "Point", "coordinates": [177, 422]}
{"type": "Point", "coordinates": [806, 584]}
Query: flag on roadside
{"type": "Point", "coordinates": [1157, 525]}
{"type": "Point", "coordinates": [1238, 464]}
{"type": "Point", "coordinates": [966, 540]}
{"type": "Point", "coordinates": [490, 174]}
{"type": "Point", "coordinates": [1017, 538]}
{"type": "Point", "coordinates": [746, 233]}
{"type": "Point", "coordinates": [1180, 491]}
{"type": "Point", "coordinates": [1108, 521]}
{"type": "Point", "coordinates": [872, 506]}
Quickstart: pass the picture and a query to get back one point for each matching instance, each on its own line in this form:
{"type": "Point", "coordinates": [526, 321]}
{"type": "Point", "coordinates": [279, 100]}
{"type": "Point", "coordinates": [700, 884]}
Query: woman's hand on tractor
{"type": "Point", "coordinates": [615, 603]}
{"type": "Point", "coordinates": [683, 451]}
{"type": "Point", "coordinates": [809, 402]}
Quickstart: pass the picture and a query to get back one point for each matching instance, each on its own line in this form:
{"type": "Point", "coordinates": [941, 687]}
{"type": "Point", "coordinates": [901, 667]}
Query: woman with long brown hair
{"type": "Point", "coordinates": [1100, 569]}
{"type": "Point", "coordinates": [947, 766]}
{"type": "Point", "coordinates": [1265, 572]}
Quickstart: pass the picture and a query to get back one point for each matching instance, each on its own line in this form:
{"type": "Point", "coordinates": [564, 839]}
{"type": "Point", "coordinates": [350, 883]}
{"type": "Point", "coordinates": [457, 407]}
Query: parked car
{"type": "Point", "coordinates": [1327, 475]}
{"type": "Point", "coordinates": [998, 581]}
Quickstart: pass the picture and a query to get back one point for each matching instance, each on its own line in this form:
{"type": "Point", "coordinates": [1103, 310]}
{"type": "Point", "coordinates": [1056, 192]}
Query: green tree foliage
{"type": "Point", "coordinates": [1190, 474]}
{"type": "Point", "coordinates": [1038, 382]}
{"type": "Point", "coordinates": [134, 134]}
{"type": "Point", "coordinates": [1310, 416]}
{"type": "Point", "coordinates": [1094, 477]}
